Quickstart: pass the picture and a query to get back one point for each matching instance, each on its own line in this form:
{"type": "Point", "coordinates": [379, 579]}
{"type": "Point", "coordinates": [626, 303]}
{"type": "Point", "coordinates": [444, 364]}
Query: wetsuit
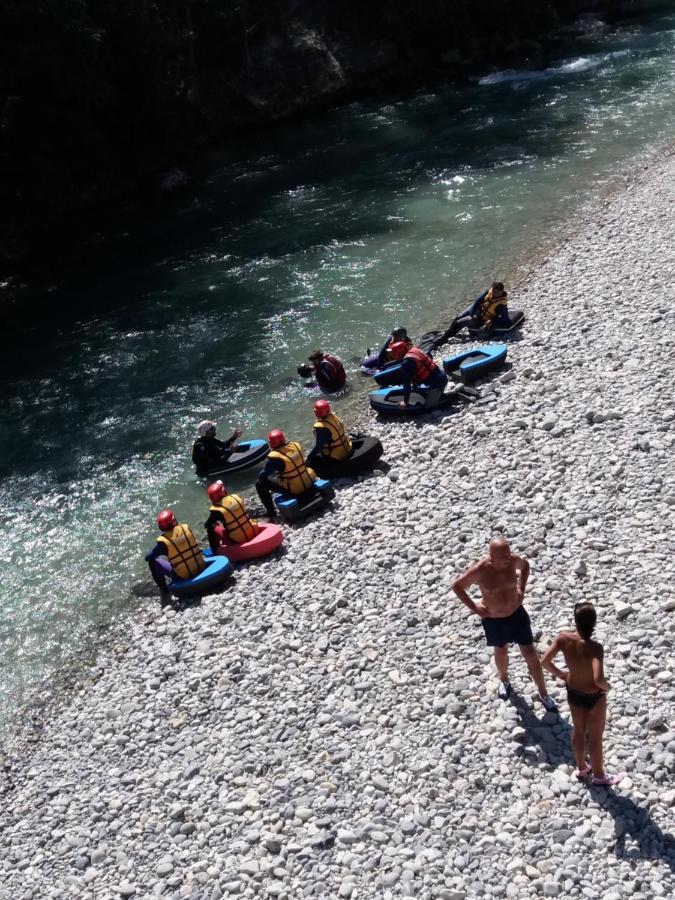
{"type": "Point", "coordinates": [472, 318]}
{"type": "Point", "coordinates": [208, 453]}
{"type": "Point", "coordinates": [322, 437]}
{"type": "Point", "coordinates": [436, 382]}
{"type": "Point", "coordinates": [267, 484]}
{"type": "Point", "coordinates": [214, 538]}
{"type": "Point", "coordinates": [384, 356]}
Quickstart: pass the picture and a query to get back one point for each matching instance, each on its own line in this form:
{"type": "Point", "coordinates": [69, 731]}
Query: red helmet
{"type": "Point", "coordinates": [398, 349]}
{"type": "Point", "coordinates": [216, 491]}
{"type": "Point", "coordinates": [166, 520]}
{"type": "Point", "coordinates": [322, 408]}
{"type": "Point", "coordinates": [276, 438]}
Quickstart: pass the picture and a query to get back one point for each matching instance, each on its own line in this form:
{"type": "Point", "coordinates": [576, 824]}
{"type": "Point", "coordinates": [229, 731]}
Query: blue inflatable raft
{"type": "Point", "coordinates": [389, 376]}
{"type": "Point", "coordinates": [472, 364]}
{"type": "Point", "coordinates": [386, 400]}
{"type": "Point", "coordinates": [245, 455]}
{"type": "Point", "coordinates": [218, 568]}
{"type": "Point", "coordinates": [295, 509]}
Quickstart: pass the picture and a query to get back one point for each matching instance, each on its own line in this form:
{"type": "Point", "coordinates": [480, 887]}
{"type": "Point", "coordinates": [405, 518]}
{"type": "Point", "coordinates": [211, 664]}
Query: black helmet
{"type": "Point", "coordinates": [400, 332]}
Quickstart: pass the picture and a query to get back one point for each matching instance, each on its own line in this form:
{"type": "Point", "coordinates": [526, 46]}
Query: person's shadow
{"type": "Point", "coordinates": [634, 822]}
{"type": "Point", "coordinates": [637, 835]}
{"type": "Point", "coordinates": [551, 734]}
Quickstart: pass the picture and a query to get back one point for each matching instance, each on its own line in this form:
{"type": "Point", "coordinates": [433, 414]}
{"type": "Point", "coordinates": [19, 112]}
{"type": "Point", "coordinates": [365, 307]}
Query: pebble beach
{"type": "Point", "coordinates": [328, 725]}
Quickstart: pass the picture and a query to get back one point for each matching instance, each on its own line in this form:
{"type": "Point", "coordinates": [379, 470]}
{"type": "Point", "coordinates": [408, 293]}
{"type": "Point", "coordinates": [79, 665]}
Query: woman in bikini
{"type": "Point", "coordinates": [586, 691]}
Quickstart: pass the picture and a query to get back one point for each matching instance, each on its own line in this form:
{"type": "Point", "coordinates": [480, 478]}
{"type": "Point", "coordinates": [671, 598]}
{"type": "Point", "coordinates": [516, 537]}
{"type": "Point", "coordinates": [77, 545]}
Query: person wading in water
{"type": "Point", "coordinates": [586, 692]}
{"type": "Point", "coordinates": [502, 578]}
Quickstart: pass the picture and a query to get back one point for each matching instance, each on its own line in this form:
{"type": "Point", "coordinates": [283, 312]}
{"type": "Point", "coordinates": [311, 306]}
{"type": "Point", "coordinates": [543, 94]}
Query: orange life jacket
{"type": "Point", "coordinates": [424, 365]}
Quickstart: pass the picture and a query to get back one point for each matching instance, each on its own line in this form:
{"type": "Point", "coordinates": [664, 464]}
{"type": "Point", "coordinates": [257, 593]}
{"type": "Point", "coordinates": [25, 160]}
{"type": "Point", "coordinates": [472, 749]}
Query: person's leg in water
{"type": "Point", "coordinates": [531, 657]}
{"type": "Point", "coordinates": [502, 664]}
{"type": "Point", "coordinates": [578, 739]}
{"type": "Point", "coordinates": [264, 489]}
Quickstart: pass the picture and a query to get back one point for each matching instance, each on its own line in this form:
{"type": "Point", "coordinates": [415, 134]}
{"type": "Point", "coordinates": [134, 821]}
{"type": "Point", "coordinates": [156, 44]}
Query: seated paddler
{"type": "Point", "coordinates": [176, 555]}
{"type": "Point", "coordinates": [285, 470]}
{"type": "Point", "coordinates": [489, 310]}
{"type": "Point", "coordinates": [331, 441]}
{"type": "Point", "coordinates": [228, 521]}
{"type": "Point", "coordinates": [398, 334]}
{"type": "Point", "coordinates": [418, 368]}
{"type": "Point", "coordinates": [208, 452]}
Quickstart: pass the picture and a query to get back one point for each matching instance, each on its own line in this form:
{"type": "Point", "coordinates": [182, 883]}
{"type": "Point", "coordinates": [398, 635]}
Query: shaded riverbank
{"type": "Point", "coordinates": [121, 98]}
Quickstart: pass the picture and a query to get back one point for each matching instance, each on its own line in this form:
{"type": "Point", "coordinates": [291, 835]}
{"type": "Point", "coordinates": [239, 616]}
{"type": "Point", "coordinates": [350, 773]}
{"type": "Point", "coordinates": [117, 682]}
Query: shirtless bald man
{"type": "Point", "coordinates": [502, 579]}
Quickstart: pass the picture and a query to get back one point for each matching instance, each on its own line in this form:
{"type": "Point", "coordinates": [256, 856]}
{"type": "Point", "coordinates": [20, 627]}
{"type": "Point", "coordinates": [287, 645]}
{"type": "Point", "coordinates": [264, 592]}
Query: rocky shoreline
{"type": "Point", "coordinates": [327, 727]}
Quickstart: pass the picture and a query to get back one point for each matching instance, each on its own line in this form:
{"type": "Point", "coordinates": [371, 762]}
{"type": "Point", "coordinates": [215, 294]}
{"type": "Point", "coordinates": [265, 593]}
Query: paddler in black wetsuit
{"type": "Point", "coordinates": [384, 357]}
{"type": "Point", "coordinates": [208, 453]}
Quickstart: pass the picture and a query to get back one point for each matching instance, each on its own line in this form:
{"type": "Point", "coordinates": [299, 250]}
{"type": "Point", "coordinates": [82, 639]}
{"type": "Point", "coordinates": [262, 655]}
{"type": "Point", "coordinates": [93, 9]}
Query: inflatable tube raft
{"type": "Point", "coordinates": [389, 376]}
{"type": "Point", "coordinates": [245, 455]}
{"type": "Point", "coordinates": [386, 400]}
{"type": "Point", "coordinates": [295, 509]}
{"type": "Point", "coordinates": [370, 364]}
{"type": "Point", "coordinates": [218, 568]}
{"type": "Point", "coordinates": [366, 451]}
{"type": "Point", "coordinates": [516, 319]}
{"type": "Point", "coordinates": [265, 542]}
{"type": "Point", "coordinates": [472, 364]}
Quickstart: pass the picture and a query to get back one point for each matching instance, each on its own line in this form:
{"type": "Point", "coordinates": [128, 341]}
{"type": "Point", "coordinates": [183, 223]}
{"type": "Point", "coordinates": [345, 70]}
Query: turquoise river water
{"type": "Point", "coordinates": [321, 233]}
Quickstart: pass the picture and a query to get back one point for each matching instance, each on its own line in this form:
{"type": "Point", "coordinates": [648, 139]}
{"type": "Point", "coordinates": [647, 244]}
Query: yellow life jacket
{"type": "Point", "coordinates": [340, 446]}
{"type": "Point", "coordinates": [239, 525]}
{"type": "Point", "coordinates": [490, 304]}
{"type": "Point", "coordinates": [296, 477]}
{"type": "Point", "coordinates": [183, 551]}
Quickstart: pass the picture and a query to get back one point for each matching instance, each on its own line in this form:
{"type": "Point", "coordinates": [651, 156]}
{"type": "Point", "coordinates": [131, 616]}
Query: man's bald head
{"type": "Point", "coordinates": [499, 545]}
{"type": "Point", "coordinates": [499, 551]}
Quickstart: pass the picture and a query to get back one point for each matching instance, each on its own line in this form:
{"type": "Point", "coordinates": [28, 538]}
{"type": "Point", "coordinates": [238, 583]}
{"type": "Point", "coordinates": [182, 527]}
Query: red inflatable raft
{"type": "Point", "coordinates": [267, 540]}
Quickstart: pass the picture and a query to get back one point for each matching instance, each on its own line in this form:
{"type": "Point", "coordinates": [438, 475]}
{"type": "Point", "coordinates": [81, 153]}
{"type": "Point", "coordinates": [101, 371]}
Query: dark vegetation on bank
{"type": "Point", "coordinates": [101, 99]}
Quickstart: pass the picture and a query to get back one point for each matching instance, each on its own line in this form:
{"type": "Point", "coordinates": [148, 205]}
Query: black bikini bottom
{"type": "Point", "coordinates": [582, 699]}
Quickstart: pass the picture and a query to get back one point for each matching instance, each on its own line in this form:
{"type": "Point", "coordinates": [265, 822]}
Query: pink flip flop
{"type": "Point", "coordinates": [607, 779]}
{"type": "Point", "coordinates": [583, 773]}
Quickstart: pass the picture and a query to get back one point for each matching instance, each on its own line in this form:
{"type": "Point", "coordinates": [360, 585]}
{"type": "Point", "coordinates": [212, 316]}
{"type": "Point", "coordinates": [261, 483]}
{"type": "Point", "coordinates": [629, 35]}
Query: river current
{"type": "Point", "coordinates": [323, 233]}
